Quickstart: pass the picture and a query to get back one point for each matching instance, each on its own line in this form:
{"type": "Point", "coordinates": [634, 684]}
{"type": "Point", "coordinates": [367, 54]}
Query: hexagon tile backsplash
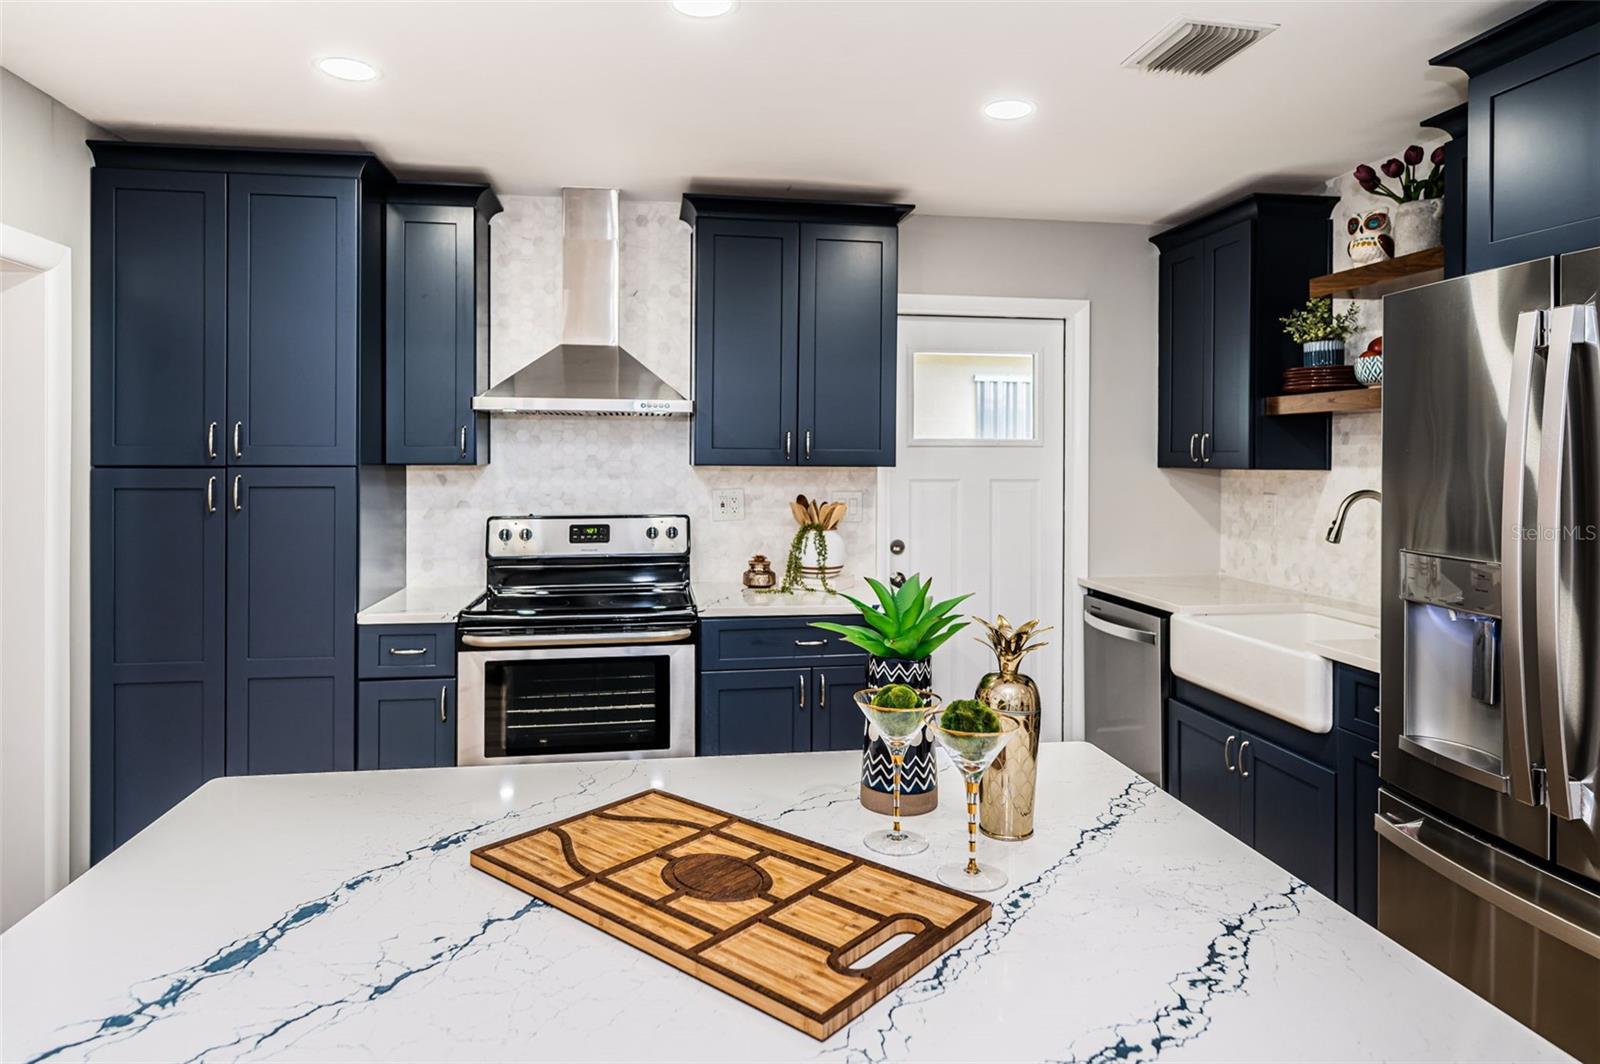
{"type": "Point", "coordinates": [607, 465]}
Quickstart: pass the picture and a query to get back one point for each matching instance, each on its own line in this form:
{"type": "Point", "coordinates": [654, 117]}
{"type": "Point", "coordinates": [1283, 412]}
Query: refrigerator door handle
{"type": "Point", "coordinates": [1520, 701]}
{"type": "Point", "coordinates": [1570, 326]}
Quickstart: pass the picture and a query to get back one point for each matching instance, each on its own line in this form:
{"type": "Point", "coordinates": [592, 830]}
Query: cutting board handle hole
{"type": "Point", "coordinates": [880, 944]}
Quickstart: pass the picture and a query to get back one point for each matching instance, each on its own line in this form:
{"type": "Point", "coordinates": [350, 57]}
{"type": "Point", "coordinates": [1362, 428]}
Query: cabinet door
{"type": "Point", "coordinates": [1228, 395]}
{"type": "Point", "coordinates": [746, 342]}
{"type": "Point", "coordinates": [1182, 347]}
{"type": "Point", "coordinates": [836, 723]}
{"type": "Point", "coordinates": [1201, 752]}
{"type": "Point", "coordinates": [430, 352]}
{"type": "Point", "coordinates": [1358, 842]}
{"type": "Point", "coordinates": [753, 712]}
{"type": "Point", "coordinates": [406, 724]}
{"type": "Point", "coordinates": [1287, 810]}
{"type": "Point", "coordinates": [291, 620]}
{"type": "Point", "coordinates": [848, 285]}
{"type": "Point", "coordinates": [292, 320]}
{"type": "Point", "coordinates": [159, 316]}
{"type": "Point", "coordinates": [158, 584]}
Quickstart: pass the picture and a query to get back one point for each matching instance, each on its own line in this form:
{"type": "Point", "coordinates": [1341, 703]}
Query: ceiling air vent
{"type": "Point", "coordinates": [1190, 47]}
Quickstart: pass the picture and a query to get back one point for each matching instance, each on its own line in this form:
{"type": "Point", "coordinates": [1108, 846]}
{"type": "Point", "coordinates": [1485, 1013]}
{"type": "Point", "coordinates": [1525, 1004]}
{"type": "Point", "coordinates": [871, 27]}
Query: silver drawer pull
{"type": "Point", "coordinates": [810, 642]}
{"type": "Point", "coordinates": [407, 652]}
{"type": "Point", "coordinates": [509, 642]}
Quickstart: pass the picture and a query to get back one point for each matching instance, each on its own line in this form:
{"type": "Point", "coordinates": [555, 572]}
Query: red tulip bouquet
{"type": "Point", "coordinates": [1412, 187]}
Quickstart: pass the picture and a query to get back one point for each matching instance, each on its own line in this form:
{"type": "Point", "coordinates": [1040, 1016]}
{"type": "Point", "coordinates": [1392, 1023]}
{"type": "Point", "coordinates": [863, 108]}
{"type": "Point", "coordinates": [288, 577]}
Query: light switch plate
{"type": "Point", "coordinates": [727, 505]}
{"type": "Point", "coordinates": [852, 503]}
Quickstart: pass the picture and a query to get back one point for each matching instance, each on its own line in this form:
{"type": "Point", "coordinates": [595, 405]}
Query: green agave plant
{"type": "Point", "coordinates": [903, 625]}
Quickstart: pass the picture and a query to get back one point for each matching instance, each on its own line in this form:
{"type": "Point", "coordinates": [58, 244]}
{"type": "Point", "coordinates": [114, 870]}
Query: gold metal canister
{"type": "Point", "coordinates": [1005, 804]}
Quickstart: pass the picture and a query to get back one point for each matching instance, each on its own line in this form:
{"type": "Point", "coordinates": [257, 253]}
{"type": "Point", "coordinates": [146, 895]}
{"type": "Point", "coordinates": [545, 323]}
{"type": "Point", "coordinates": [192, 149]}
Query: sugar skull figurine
{"type": "Point", "coordinates": [1369, 237]}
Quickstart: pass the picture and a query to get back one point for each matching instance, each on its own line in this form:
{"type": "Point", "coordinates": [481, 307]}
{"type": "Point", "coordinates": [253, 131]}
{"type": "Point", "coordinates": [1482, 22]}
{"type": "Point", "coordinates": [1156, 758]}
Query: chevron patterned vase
{"type": "Point", "coordinates": [919, 782]}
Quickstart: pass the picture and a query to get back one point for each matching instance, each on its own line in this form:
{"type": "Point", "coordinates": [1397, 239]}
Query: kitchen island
{"type": "Point", "coordinates": [335, 916]}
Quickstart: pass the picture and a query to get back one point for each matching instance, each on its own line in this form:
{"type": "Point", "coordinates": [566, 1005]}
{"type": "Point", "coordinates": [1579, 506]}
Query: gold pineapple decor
{"type": "Point", "coordinates": [1006, 800]}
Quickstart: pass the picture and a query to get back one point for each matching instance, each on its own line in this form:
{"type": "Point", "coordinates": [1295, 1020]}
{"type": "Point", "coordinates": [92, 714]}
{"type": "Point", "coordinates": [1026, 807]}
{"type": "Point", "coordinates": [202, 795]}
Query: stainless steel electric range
{"type": "Point", "coordinates": [583, 646]}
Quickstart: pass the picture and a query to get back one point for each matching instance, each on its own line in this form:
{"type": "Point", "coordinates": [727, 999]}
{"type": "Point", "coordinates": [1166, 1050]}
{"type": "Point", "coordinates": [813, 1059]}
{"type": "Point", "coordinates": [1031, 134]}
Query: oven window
{"type": "Point", "coordinates": [575, 706]}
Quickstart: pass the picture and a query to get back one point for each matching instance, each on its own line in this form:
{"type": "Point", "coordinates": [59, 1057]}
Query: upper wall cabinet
{"type": "Point", "coordinates": [1225, 280]}
{"type": "Point", "coordinates": [794, 337]}
{"type": "Point", "coordinates": [1533, 130]}
{"type": "Point", "coordinates": [235, 302]}
{"type": "Point", "coordinates": [436, 332]}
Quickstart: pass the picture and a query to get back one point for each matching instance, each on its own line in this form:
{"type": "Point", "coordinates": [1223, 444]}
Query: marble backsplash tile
{"type": "Point", "coordinates": [557, 465]}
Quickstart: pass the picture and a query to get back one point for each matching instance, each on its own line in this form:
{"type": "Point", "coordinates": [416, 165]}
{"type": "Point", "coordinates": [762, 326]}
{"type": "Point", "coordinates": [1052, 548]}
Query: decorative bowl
{"type": "Point", "coordinates": [1369, 370]}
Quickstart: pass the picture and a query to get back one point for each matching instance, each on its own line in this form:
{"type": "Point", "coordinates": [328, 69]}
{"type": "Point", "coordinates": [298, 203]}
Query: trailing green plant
{"type": "Point", "coordinates": [792, 578]}
{"type": "Point", "coordinates": [1316, 321]}
{"type": "Point", "coordinates": [896, 696]}
{"type": "Point", "coordinates": [969, 715]}
{"type": "Point", "coordinates": [903, 624]}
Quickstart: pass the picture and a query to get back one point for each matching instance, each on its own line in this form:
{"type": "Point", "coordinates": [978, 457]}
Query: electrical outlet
{"type": "Point", "coordinates": [728, 505]}
{"type": "Point", "coordinates": [1269, 506]}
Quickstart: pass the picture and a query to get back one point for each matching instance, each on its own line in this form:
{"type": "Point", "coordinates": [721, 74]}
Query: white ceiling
{"type": "Point", "coordinates": [870, 98]}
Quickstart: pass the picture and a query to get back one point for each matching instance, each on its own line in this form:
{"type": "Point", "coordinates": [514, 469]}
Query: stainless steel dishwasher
{"type": "Point", "coordinates": [1125, 682]}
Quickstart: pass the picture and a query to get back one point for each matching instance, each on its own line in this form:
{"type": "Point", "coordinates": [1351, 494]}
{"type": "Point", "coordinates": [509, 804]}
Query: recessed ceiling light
{"type": "Point", "coordinates": [703, 8]}
{"type": "Point", "coordinates": [1008, 110]}
{"type": "Point", "coordinates": [346, 69]}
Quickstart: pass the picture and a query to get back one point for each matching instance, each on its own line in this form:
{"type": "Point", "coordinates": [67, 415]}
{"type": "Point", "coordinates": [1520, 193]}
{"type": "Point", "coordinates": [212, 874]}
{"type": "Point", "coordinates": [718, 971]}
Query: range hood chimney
{"type": "Point", "coordinates": [588, 372]}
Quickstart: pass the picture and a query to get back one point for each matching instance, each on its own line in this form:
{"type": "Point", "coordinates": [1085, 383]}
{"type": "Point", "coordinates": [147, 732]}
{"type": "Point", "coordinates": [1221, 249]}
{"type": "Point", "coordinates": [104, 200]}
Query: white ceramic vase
{"type": "Point", "coordinates": [1417, 226]}
{"type": "Point", "coordinates": [811, 566]}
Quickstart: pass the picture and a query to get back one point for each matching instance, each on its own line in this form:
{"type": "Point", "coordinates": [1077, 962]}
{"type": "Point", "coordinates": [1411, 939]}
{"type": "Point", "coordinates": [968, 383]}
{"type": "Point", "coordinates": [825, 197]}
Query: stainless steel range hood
{"type": "Point", "coordinates": [588, 372]}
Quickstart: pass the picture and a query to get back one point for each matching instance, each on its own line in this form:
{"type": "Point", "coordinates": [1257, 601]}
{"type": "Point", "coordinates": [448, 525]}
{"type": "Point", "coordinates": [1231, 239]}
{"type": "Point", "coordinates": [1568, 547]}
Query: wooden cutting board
{"type": "Point", "coordinates": [774, 920]}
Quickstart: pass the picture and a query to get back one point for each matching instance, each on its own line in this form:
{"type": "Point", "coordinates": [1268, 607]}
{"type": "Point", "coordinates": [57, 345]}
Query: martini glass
{"type": "Point", "coordinates": [971, 753]}
{"type": "Point", "coordinates": [898, 727]}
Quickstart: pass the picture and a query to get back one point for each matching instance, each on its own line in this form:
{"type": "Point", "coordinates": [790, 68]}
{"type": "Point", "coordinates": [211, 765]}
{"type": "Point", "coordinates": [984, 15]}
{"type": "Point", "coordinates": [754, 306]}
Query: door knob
{"type": "Point", "coordinates": [897, 580]}
{"type": "Point", "coordinates": [897, 546]}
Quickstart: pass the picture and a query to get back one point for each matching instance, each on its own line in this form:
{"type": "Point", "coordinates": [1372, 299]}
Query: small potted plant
{"type": "Point", "coordinates": [1320, 332]}
{"type": "Point", "coordinates": [1418, 218]}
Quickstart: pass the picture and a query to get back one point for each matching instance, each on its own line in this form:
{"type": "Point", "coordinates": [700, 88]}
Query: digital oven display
{"type": "Point", "coordinates": [588, 533]}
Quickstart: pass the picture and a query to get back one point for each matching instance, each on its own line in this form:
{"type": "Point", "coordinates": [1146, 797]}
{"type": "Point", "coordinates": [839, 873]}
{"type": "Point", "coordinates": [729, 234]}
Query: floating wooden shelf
{"type": "Point", "coordinates": [1381, 278]}
{"type": "Point", "coordinates": [1344, 401]}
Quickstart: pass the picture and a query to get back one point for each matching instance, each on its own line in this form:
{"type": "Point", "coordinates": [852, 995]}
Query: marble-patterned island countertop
{"type": "Point", "coordinates": [1215, 593]}
{"type": "Point", "coordinates": [336, 917]}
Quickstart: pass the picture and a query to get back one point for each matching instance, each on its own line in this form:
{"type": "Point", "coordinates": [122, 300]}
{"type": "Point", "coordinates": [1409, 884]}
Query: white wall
{"type": "Point", "coordinates": [44, 190]}
{"type": "Point", "coordinates": [1142, 519]}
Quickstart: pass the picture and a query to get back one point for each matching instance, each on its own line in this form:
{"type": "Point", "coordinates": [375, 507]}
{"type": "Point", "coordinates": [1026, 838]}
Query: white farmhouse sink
{"type": "Point", "coordinates": [1264, 659]}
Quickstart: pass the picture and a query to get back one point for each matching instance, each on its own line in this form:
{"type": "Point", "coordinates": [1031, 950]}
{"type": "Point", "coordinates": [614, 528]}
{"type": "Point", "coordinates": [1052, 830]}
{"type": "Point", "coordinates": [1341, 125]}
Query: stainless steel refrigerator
{"type": "Point", "coordinates": [1489, 834]}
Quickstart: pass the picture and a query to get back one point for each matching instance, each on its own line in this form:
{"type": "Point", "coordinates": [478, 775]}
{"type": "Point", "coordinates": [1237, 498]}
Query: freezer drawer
{"type": "Point", "coordinates": [1516, 935]}
{"type": "Point", "coordinates": [1126, 683]}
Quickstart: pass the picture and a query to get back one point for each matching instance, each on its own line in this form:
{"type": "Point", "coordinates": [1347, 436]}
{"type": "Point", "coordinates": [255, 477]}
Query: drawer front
{"type": "Point", "coordinates": [1355, 700]}
{"type": "Point", "coordinates": [406, 651]}
{"type": "Point", "coordinates": [778, 642]}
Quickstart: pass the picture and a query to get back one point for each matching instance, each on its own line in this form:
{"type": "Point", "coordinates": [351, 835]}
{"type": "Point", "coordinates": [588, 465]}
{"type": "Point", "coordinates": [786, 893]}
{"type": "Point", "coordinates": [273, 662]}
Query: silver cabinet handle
{"type": "Point", "coordinates": [1227, 748]}
{"type": "Point", "coordinates": [808, 445]}
{"type": "Point", "coordinates": [211, 495]}
{"type": "Point", "coordinates": [802, 690]}
{"type": "Point", "coordinates": [511, 642]}
{"type": "Point", "coordinates": [237, 427]}
{"type": "Point", "coordinates": [1118, 631]}
{"type": "Point", "coordinates": [463, 437]}
{"type": "Point", "coordinates": [788, 445]}
{"type": "Point", "coordinates": [1243, 772]}
{"type": "Point", "coordinates": [407, 652]}
{"type": "Point", "coordinates": [1194, 438]}
{"type": "Point", "coordinates": [1375, 757]}
{"type": "Point", "coordinates": [442, 690]}
{"type": "Point", "coordinates": [1569, 325]}
{"type": "Point", "coordinates": [1205, 447]}
{"type": "Point", "coordinates": [1515, 646]}
{"type": "Point", "coordinates": [822, 691]}
{"type": "Point", "coordinates": [211, 440]}
{"type": "Point", "coordinates": [236, 504]}
{"type": "Point", "coordinates": [810, 642]}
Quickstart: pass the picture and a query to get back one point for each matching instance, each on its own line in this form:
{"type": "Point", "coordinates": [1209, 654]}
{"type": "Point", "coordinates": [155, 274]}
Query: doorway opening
{"type": "Point", "coordinates": [989, 491]}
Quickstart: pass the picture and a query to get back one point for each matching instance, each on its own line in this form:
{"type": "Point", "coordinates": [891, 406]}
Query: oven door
{"type": "Point", "coordinates": [530, 698]}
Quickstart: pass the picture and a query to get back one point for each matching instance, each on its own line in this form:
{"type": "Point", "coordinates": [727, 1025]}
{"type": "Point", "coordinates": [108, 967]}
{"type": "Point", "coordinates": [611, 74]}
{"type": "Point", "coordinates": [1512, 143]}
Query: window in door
{"type": "Point", "coordinates": [963, 396]}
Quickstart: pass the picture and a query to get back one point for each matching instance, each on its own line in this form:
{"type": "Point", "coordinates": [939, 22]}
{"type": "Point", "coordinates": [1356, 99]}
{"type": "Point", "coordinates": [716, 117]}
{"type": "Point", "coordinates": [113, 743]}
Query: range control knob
{"type": "Point", "coordinates": [672, 531]}
{"type": "Point", "coordinates": [652, 532]}
{"type": "Point", "coordinates": [525, 535]}
{"type": "Point", "coordinates": [505, 535]}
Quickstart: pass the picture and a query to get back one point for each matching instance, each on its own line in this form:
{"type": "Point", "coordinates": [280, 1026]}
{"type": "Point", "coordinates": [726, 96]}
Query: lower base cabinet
{"type": "Point", "coordinates": [777, 686]}
{"type": "Point", "coordinates": [406, 724]}
{"type": "Point", "coordinates": [1358, 842]}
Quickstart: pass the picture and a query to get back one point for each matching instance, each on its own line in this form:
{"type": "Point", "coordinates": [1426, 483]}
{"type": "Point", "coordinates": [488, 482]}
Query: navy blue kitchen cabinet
{"type": "Point", "coordinates": [773, 685]}
{"type": "Point", "coordinates": [406, 724]}
{"type": "Point", "coordinates": [1201, 769]}
{"type": "Point", "coordinates": [1287, 808]}
{"type": "Point", "coordinates": [436, 334]}
{"type": "Point", "coordinates": [291, 620]}
{"type": "Point", "coordinates": [1533, 126]}
{"type": "Point", "coordinates": [1358, 842]}
{"type": "Point", "coordinates": [158, 587]}
{"type": "Point", "coordinates": [1224, 281]}
{"type": "Point", "coordinates": [159, 307]}
{"type": "Point", "coordinates": [794, 339]}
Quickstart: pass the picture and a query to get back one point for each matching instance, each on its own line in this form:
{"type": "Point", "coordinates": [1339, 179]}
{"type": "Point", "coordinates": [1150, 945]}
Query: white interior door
{"type": "Point", "coordinates": [975, 498]}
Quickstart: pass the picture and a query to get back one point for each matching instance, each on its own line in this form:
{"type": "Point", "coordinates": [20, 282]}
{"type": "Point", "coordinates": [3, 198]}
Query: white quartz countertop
{"type": "Point", "coordinates": [1214, 593]}
{"type": "Point", "coordinates": [732, 600]}
{"type": "Point", "coordinates": [420, 605]}
{"type": "Point", "coordinates": [336, 917]}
